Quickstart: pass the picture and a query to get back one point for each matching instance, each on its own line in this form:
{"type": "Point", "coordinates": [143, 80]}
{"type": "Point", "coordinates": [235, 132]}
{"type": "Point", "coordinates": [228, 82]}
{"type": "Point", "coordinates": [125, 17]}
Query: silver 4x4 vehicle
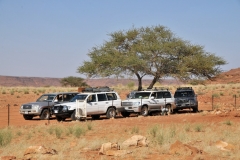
{"type": "Point", "coordinates": [185, 98]}
{"type": "Point", "coordinates": [43, 104]}
{"type": "Point", "coordinates": [146, 102]}
{"type": "Point", "coordinates": [95, 101]}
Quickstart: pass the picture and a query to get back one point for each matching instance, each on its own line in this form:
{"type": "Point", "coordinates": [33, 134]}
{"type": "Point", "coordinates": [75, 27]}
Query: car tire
{"type": "Point", "coordinates": [27, 117]}
{"type": "Point", "coordinates": [59, 119]}
{"type": "Point", "coordinates": [45, 114]}
{"type": "Point", "coordinates": [144, 111]}
{"type": "Point", "coordinates": [73, 116]}
{"type": "Point", "coordinates": [111, 113]}
{"type": "Point", "coordinates": [125, 114]}
{"type": "Point", "coordinates": [195, 109]}
{"type": "Point", "coordinates": [175, 110]}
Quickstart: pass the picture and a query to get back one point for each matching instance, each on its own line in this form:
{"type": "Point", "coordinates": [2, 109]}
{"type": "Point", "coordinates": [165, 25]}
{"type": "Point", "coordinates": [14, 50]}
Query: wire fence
{"type": "Point", "coordinates": [9, 115]}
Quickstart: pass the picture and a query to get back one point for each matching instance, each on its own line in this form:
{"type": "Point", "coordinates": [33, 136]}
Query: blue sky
{"type": "Point", "coordinates": [51, 38]}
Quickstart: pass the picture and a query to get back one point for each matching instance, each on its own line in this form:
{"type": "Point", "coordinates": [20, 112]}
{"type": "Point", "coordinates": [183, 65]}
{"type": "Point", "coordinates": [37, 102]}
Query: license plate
{"type": "Point", "coordinates": [55, 111]}
{"type": "Point", "coordinates": [26, 112]}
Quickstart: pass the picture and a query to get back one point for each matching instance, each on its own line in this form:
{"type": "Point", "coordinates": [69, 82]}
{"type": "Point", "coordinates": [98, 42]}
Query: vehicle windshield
{"type": "Point", "coordinates": [184, 94]}
{"type": "Point", "coordinates": [141, 95]}
{"type": "Point", "coordinates": [46, 98]}
{"type": "Point", "coordinates": [79, 97]}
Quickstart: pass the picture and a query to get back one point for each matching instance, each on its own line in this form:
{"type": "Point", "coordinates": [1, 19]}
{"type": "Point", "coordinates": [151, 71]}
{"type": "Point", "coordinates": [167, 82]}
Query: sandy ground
{"type": "Point", "coordinates": [10, 106]}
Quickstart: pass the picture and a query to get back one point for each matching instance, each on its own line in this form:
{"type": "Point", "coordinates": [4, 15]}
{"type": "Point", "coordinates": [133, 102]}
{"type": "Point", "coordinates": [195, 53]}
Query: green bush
{"type": "Point", "coordinates": [79, 131]}
{"type": "Point", "coordinates": [5, 137]}
{"type": "Point", "coordinates": [135, 129]}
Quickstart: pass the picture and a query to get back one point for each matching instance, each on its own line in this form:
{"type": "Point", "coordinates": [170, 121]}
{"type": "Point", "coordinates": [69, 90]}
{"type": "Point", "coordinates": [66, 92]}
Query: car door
{"type": "Point", "coordinates": [160, 100]}
{"type": "Point", "coordinates": [92, 105]}
{"type": "Point", "coordinates": [156, 101]}
{"type": "Point", "coordinates": [103, 103]}
{"type": "Point", "coordinates": [167, 97]}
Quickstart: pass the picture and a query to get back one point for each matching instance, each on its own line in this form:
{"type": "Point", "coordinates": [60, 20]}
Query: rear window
{"type": "Point", "coordinates": [102, 97]}
{"type": "Point", "coordinates": [184, 94]}
{"type": "Point", "coordinates": [111, 96]}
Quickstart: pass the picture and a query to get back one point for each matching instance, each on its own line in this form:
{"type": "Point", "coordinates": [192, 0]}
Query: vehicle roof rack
{"type": "Point", "coordinates": [184, 88]}
{"type": "Point", "coordinates": [98, 89]}
{"type": "Point", "coordinates": [156, 89]}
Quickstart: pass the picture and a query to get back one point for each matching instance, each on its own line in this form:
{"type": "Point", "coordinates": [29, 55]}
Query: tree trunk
{"type": "Point", "coordinates": [155, 79]}
{"type": "Point", "coordinates": [139, 82]}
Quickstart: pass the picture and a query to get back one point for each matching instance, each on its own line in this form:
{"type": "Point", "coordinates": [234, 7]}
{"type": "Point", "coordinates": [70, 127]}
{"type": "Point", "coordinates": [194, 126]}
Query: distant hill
{"type": "Point", "coordinates": [11, 81]}
{"type": "Point", "coordinates": [232, 76]}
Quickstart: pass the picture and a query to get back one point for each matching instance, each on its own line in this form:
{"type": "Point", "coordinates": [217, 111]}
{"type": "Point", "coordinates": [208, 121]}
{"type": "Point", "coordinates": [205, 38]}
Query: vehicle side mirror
{"type": "Point", "coordinates": [152, 97]}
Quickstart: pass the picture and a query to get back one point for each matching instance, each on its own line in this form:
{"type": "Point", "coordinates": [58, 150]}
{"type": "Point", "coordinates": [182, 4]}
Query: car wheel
{"type": "Point", "coordinates": [144, 111]}
{"type": "Point", "coordinates": [45, 114]}
{"type": "Point", "coordinates": [95, 116]}
{"type": "Point", "coordinates": [59, 119]}
{"type": "Point", "coordinates": [125, 114]}
{"type": "Point", "coordinates": [175, 110]}
{"type": "Point", "coordinates": [27, 117]}
{"type": "Point", "coordinates": [195, 109]}
{"type": "Point", "coordinates": [73, 116]}
{"type": "Point", "coordinates": [111, 113]}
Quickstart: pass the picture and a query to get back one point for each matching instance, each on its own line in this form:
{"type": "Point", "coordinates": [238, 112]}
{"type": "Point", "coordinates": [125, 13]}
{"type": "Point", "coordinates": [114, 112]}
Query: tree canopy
{"type": "Point", "coordinates": [153, 51]}
{"type": "Point", "coordinates": [73, 81]}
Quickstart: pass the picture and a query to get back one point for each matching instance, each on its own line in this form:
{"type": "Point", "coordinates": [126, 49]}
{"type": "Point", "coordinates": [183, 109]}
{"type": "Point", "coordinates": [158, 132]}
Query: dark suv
{"type": "Point", "coordinates": [185, 98]}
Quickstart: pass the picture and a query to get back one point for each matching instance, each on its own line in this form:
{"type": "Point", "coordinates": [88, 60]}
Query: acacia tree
{"type": "Point", "coordinates": [73, 81]}
{"type": "Point", "coordinates": [153, 51]}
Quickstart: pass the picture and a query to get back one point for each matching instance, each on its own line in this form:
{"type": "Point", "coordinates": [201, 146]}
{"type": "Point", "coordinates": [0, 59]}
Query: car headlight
{"type": "Point", "coordinates": [35, 106]}
{"type": "Point", "coordinates": [191, 101]}
{"type": "Point", "coordinates": [65, 108]}
{"type": "Point", "coordinates": [136, 103]}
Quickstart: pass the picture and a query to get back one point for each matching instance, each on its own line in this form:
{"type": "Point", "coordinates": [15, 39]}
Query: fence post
{"type": "Point", "coordinates": [235, 97]}
{"type": "Point", "coordinates": [212, 102]}
{"type": "Point", "coordinates": [8, 113]}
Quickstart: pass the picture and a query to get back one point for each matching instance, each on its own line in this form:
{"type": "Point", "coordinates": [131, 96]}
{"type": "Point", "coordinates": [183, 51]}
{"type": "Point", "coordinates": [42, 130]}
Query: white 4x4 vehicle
{"type": "Point", "coordinates": [96, 102]}
{"type": "Point", "coordinates": [146, 102]}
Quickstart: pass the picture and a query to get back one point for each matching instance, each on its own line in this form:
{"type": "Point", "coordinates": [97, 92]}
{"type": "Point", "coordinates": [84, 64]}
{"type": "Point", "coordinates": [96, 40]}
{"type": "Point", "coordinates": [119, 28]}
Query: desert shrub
{"type": "Point", "coordinates": [216, 106]}
{"type": "Point", "coordinates": [70, 130]}
{"type": "Point", "coordinates": [19, 133]}
{"type": "Point", "coordinates": [29, 136]}
{"type": "Point", "coordinates": [198, 128]}
{"type": "Point", "coordinates": [153, 131]}
{"type": "Point", "coordinates": [134, 130]}
{"type": "Point", "coordinates": [221, 94]}
{"type": "Point", "coordinates": [58, 132]}
{"type": "Point", "coordinates": [4, 92]}
{"type": "Point", "coordinates": [187, 127]}
{"type": "Point", "coordinates": [50, 130]}
{"type": "Point", "coordinates": [197, 82]}
{"type": "Point", "coordinates": [235, 96]}
{"type": "Point", "coordinates": [89, 126]}
{"type": "Point", "coordinates": [18, 97]}
{"type": "Point", "coordinates": [215, 95]}
{"type": "Point", "coordinates": [131, 85]}
{"type": "Point", "coordinates": [199, 92]}
{"type": "Point", "coordinates": [228, 122]}
{"type": "Point", "coordinates": [5, 137]}
{"type": "Point", "coordinates": [12, 92]}
{"type": "Point", "coordinates": [78, 131]}
{"type": "Point", "coordinates": [26, 91]}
